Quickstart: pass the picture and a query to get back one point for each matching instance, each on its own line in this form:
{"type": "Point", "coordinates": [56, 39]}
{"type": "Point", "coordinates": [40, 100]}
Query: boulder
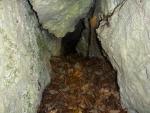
{"type": "Point", "coordinates": [23, 67]}
{"type": "Point", "coordinates": [60, 16]}
{"type": "Point", "coordinates": [124, 35]}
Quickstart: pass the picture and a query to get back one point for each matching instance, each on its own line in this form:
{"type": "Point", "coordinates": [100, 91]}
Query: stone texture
{"type": "Point", "coordinates": [53, 43]}
{"type": "Point", "coordinates": [82, 45]}
{"type": "Point", "coordinates": [125, 38]}
{"type": "Point", "coordinates": [60, 16]}
{"type": "Point", "coordinates": [107, 6]}
{"type": "Point", "coordinates": [23, 71]}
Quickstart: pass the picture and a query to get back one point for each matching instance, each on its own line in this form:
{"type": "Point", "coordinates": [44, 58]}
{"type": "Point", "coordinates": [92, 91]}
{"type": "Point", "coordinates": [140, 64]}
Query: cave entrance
{"type": "Point", "coordinates": [82, 79]}
{"type": "Point", "coordinates": [71, 39]}
{"type": "Point", "coordinates": [81, 84]}
{"type": "Point", "coordinates": [83, 41]}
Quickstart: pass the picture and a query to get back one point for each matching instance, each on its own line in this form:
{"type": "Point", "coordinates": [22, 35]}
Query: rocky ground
{"type": "Point", "coordinates": [81, 85]}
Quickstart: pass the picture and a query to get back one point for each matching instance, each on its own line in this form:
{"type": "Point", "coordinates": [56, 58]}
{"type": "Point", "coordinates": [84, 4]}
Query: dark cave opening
{"type": "Point", "coordinates": [71, 39]}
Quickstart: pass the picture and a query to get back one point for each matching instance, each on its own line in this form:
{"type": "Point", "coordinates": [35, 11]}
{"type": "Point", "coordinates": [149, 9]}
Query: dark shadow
{"type": "Point", "coordinates": [70, 40]}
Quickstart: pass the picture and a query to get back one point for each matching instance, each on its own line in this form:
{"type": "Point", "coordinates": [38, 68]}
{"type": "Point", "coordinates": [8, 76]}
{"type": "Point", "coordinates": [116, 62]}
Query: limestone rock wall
{"type": "Point", "coordinates": [23, 72]}
{"type": "Point", "coordinates": [107, 6]}
{"type": "Point", "coordinates": [60, 16]}
{"type": "Point", "coordinates": [53, 43]}
{"type": "Point", "coordinates": [125, 38]}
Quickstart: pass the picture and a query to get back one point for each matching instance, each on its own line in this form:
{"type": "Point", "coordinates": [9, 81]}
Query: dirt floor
{"type": "Point", "coordinates": [81, 85]}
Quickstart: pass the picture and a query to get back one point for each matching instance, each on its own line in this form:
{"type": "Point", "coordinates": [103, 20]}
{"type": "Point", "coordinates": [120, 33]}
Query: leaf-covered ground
{"type": "Point", "coordinates": [81, 85]}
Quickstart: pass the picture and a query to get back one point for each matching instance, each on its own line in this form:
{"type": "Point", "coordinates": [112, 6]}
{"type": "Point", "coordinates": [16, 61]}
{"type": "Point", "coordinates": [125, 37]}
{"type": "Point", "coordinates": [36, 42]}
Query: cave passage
{"type": "Point", "coordinates": [82, 80]}
{"type": "Point", "coordinates": [80, 84]}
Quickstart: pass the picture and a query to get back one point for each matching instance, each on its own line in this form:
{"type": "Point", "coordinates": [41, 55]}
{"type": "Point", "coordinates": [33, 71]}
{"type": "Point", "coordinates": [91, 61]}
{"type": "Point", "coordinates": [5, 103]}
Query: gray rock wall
{"type": "Point", "coordinates": [23, 72]}
{"type": "Point", "coordinates": [60, 16]}
{"type": "Point", "coordinates": [125, 38]}
{"type": "Point", "coordinates": [107, 6]}
{"type": "Point", "coordinates": [53, 43]}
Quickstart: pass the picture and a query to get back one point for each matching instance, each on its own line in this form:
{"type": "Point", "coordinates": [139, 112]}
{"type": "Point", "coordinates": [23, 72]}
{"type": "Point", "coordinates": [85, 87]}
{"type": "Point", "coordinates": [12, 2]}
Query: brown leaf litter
{"type": "Point", "coordinates": [81, 85]}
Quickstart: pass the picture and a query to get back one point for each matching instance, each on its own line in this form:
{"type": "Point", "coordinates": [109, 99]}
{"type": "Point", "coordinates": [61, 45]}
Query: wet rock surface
{"type": "Point", "coordinates": [81, 85]}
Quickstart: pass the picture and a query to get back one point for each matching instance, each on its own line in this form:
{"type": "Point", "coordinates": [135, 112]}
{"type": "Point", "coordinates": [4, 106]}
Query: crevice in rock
{"type": "Point", "coordinates": [106, 18]}
{"type": "Point", "coordinates": [76, 70]}
{"type": "Point", "coordinates": [35, 13]}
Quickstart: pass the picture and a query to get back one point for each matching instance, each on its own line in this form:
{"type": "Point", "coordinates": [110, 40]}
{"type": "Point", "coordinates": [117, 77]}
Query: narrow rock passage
{"type": "Point", "coordinates": [81, 85]}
